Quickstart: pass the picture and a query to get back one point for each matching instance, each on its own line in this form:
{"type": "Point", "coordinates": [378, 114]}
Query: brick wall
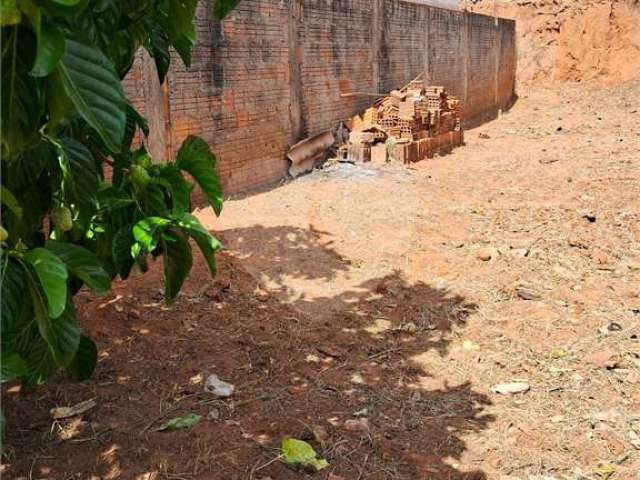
{"type": "Point", "coordinates": [272, 73]}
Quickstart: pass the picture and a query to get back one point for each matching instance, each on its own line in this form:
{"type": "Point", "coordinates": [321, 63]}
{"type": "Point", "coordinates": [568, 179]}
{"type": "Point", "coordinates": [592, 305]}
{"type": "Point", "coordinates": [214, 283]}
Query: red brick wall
{"type": "Point", "coordinates": [272, 73]}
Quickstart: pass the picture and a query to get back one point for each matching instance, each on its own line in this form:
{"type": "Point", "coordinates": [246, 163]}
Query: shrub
{"type": "Point", "coordinates": [65, 119]}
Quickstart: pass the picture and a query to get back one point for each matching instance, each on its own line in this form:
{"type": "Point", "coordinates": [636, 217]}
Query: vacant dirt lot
{"type": "Point", "coordinates": [372, 309]}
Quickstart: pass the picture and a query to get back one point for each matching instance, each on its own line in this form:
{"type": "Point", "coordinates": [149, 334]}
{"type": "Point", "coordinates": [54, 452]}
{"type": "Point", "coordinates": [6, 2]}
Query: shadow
{"type": "Point", "coordinates": [361, 371]}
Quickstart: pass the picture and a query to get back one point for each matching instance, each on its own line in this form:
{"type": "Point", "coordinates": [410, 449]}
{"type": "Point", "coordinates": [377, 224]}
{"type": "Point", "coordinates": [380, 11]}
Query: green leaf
{"type": "Point", "coordinates": [180, 423]}
{"type": "Point", "coordinates": [50, 50]}
{"type": "Point", "coordinates": [53, 275]}
{"type": "Point", "coordinates": [121, 251]}
{"type": "Point", "coordinates": [221, 8]}
{"type": "Point", "coordinates": [9, 13]}
{"type": "Point", "coordinates": [82, 175]}
{"type": "Point", "coordinates": [300, 453]}
{"type": "Point", "coordinates": [195, 158]}
{"type": "Point", "coordinates": [85, 360]}
{"type": "Point", "coordinates": [9, 201]}
{"type": "Point", "coordinates": [41, 364]}
{"type": "Point", "coordinates": [82, 264]}
{"type": "Point", "coordinates": [91, 83]}
{"type": "Point", "coordinates": [59, 103]}
{"type": "Point", "coordinates": [158, 48]}
{"type": "Point", "coordinates": [67, 3]}
{"type": "Point", "coordinates": [14, 283]}
{"type": "Point", "coordinates": [180, 29]}
{"type": "Point", "coordinates": [207, 243]}
{"type": "Point", "coordinates": [22, 95]}
{"type": "Point", "coordinates": [12, 366]}
{"type": "Point", "coordinates": [180, 188]}
{"type": "Point", "coordinates": [134, 120]}
{"type": "Point", "coordinates": [146, 231]}
{"type": "Point", "coordinates": [177, 260]}
{"type": "Point", "coordinates": [61, 334]}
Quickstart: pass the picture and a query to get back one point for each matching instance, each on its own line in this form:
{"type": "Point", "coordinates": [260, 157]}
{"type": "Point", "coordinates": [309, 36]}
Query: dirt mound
{"type": "Point", "coordinates": [573, 40]}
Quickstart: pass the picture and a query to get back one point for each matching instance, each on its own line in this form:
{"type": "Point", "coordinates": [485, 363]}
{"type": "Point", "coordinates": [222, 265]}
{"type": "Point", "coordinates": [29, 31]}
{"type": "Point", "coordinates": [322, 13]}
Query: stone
{"type": "Point", "coordinates": [485, 254]}
{"type": "Point", "coordinates": [218, 387]}
{"type": "Point", "coordinates": [511, 388]}
{"type": "Point", "coordinates": [359, 425]}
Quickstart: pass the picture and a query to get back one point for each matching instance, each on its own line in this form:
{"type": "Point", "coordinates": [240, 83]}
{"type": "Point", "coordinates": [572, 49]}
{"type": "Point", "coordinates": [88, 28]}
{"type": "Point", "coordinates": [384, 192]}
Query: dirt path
{"type": "Point", "coordinates": [353, 303]}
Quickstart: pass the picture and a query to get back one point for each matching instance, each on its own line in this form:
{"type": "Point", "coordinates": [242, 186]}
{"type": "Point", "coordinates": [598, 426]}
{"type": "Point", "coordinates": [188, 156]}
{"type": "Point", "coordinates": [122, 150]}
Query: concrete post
{"type": "Point", "coordinates": [376, 46]}
{"type": "Point", "coordinates": [295, 80]}
{"type": "Point", "coordinates": [426, 76]}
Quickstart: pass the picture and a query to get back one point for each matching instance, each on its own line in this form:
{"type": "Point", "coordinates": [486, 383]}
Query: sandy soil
{"type": "Point", "coordinates": [574, 40]}
{"type": "Point", "coordinates": [358, 308]}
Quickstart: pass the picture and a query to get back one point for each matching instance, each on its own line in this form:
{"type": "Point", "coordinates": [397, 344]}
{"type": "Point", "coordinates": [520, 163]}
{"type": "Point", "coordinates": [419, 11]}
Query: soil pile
{"type": "Point", "coordinates": [573, 40]}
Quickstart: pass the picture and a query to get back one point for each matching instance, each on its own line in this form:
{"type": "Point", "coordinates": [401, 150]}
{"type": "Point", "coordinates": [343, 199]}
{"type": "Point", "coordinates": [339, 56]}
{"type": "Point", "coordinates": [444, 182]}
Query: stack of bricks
{"type": "Point", "coordinates": [416, 122]}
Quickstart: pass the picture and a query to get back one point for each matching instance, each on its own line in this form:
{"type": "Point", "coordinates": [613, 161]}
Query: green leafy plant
{"type": "Point", "coordinates": [82, 202]}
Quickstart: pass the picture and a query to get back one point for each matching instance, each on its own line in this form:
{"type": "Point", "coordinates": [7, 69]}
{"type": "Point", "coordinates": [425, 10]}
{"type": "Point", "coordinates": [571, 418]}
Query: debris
{"type": "Point", "coordinates": [605, 471]}
{"type": "Point", "coordinates": [361, 413]}
{"type": "Point", "coordinates": [359, 425]}
{"type": "Point", "coordinates": [526, 293]}
{"type": "Point", "coordinates": [484, 136]}
{"type": "Point", "coordinates": [320, 434]}
{"type": "Point", "coordinates": [602, 359]}
{"type": "Point", "coordinates": [590, 217]}
{"type": "Point", "coordinates": [300, 453]}
{"type": "Point", "coordinates": [180, 423]}
{"type": "Point", "coordinates": [485, 254]}
{"type": "Point", "coordinates": [614, 327]}
{"type": "Point", "coordinates": [408, 327]}
{"type": "Point", "coordinates": [213, 414]}
{"type": "Point", "coordinates": [470, 346]}
{"type": "Point", "coordinates": [559, 353]}
{"type": "Point", "coordinates": [218, 387]}
{"type": "Point", "coordinates": [305, 154]}
{"type": "Point", "coordinates": [329, 351]}
{"type": "Point", "coordinates": [77, 409]}
{"type": "Point", "coordinates": [511, 388]}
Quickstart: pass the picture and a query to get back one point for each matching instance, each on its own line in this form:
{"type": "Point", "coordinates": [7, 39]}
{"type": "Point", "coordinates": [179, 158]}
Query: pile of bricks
{"type": "Point", "coordinates": [408, 125]}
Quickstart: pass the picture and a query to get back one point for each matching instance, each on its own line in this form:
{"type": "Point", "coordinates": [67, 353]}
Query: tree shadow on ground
{"type": "Point", "coordinates": [366, 383]}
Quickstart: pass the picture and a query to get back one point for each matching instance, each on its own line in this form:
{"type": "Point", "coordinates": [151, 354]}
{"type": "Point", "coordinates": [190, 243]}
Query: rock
{"type": "Point", "coordinates": [511, 388]}
{"type": "Point", "coordinates": [602, 359]}
{"type": "Point", "coordinates": [320, 434]}
{"type": "Point", "coordinates": [484, 136]}
{"type": "Point", "coordinates": [526, 293]}
{"type": "Point", "coordinates": [485, 254]}
{"type": "Point", "coordinates": [614, 327]}
{"type": "Point", "coordinates": [359, 425]}
{"type": "Point", "coordinates": [218, 387]}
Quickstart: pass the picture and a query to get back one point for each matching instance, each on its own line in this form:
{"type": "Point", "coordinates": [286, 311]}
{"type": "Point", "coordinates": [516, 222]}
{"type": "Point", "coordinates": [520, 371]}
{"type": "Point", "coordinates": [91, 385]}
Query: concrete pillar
{"type": "Point", "coordinates": [376, 46]}
{"type": "Point", "coordinates": [295, 80]}
{"type": "Point", "coordinates": [427, 75]}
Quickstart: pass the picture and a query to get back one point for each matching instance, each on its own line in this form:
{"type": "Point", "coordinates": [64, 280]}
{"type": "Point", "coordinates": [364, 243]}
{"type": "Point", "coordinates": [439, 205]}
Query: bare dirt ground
{"type": "Point", "coordinates": [358, 308]}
